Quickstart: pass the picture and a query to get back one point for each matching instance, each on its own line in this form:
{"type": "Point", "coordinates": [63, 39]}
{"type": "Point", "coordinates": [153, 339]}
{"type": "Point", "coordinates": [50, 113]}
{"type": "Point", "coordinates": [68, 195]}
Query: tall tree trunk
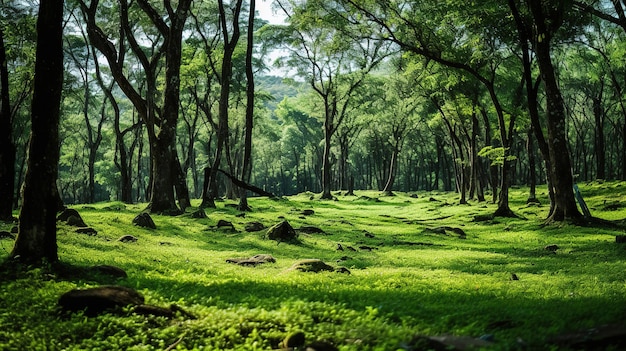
{"type": "Point", "coordinates": [230, 43]}
{"type": "Point", "coordinates": [247, 146]}
{"type": "Point", "coordinates": [326, 165]}
{"type": "Point", "coordinates": [388, 189]}
{"type": "Point", "coordinates": [36, 239]}
{"type": "Point", "coordinates": [532, 170]}
{"type": "Point", "coordinates": [600, 149]}
{"type": "Point", "coordinates": [561, 169]}
{"type": "Point", "coordinates": [7, 147]}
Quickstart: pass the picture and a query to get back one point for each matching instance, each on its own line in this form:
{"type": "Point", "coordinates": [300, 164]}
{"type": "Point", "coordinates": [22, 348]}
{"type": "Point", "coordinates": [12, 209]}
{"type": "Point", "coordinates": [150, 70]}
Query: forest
{"type": "Point", "coordinates": [491, 116]}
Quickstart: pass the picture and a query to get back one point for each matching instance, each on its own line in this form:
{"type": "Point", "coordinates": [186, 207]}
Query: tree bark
{"type": "Point", "coordinates": [36, 239]}
{"type": "Point", "coordinates": [561, 169]}
{"type": "Point", "coordinates": [247, 147]}
{"type": "Point", "coordinates": [7, 147]}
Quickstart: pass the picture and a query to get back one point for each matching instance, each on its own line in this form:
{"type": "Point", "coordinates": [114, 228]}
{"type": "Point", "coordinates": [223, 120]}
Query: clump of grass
{"type": "Point", "coordinates": [411, 280]}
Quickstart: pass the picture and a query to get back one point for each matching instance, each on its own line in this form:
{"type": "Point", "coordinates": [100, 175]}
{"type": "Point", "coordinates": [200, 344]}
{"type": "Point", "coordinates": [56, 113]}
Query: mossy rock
{"type": "Point", "coordinates": [311, 265]}
{"type": "Point", "coordinates": [144, 220]}
{"type": "Point", "coordinates": [282, 231]}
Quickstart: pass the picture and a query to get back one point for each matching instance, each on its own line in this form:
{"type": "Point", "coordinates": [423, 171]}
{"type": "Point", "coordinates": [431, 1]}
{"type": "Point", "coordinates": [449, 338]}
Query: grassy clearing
{"type": "Point", "coordinates": [414, 282]}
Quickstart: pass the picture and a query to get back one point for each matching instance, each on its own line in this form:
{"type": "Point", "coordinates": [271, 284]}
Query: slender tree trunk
{"type": "Point", "coordinates": [393, 164]}
{"type": "Point", "coordinates": [7, 147]}
{"type": "Point", "coordinates": [600, 149]}
{"type": "Point", "coordinates": [247, 147]}
{"type": "Point", "coordinates": [326, 179]}
{"type": "Point", "coordinates": [36, 239]}
{"type": "Point", "coordinates": [532, 170]}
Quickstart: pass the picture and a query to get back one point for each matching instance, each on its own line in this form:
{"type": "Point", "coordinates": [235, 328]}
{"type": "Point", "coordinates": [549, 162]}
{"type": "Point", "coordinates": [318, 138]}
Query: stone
{"type": "Point", "coordinates": [67, 213]}
{"type": "Point", "coordinates": [86, 230]}
{"type": "Point", "coordinates": [7, 235]}
{"type": "Point", "coordinates": [127, 239]}
{"type": "Point", "coordinates": [253, 261]}
{"type": "Point", "coordinates": [282, 231]}
{"type": "Point", "coordinates": [551, 248]}
{"type": "Point", "coordinates": [144, 220]}
{"type": "Point", "coordinates": [293, 340]}
{"type": "Point", "coordinates": [321, 345]}
{"type": "Point", "coordinates": [76, 221]}
{"type": "Point", "coordinates": [312, 265]}
{"type": "Point", "coordinates": [254, 226]}
{"type": "Point", "coordinates": [308, 212]}
{"type": "Point", "coordinates": [97, 300]}
{"type": "Point", "coordinates": [224, 224]}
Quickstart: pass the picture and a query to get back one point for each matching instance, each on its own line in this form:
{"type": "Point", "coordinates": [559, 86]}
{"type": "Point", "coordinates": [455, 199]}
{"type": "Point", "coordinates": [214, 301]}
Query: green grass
{"type": "Point", "coordinates": [440, 285]}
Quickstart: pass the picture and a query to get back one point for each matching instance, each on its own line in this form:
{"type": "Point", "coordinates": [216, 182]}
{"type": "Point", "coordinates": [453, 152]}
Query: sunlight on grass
{"type": "Point", "coordinates": [407, 277]}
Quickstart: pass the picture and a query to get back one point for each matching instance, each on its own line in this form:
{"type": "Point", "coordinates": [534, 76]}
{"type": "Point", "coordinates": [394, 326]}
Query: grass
{"type": "Point", "coordinates": [416, 281]}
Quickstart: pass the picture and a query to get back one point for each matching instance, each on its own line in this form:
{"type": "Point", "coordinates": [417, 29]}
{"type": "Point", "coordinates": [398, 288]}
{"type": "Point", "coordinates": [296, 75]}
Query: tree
{"type": "Point", "coordinates": [332, 62]}
{"type": "Point", "coordinates": [36, 239]}
{"type": "Point", "coordinates": [547, 18]}
{"type": "Point", "coordinates": [160, 121]}
{"type": "Point", "coordinates": [7, 147]}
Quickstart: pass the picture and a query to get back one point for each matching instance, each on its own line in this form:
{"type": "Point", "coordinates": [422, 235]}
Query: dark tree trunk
{"type": "Point", "coordinates": [600, 149]}
{"type": "Point", "coordinates": [36, 239]}
{"type": "Point", "coordinates": [247, 147]}
{"type": "Point", "coordinates": [391, 178]}
{"type": "Point", "coordinates": [561, 169]}
{"type": "Point", "coordinates": [326, 165]}
{"type": "Point", "coordinates": [7, 147]}
{"type": "Point", "coordinates": [532, 170]}
{"type": "Point", "coordinates": [230, 43]}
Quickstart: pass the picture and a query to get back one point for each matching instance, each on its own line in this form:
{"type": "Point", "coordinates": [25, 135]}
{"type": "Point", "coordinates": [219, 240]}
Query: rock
{"type": "Point", "coordinates": [308, 212]}
{"type": "Point", "coordinates": [86, 230]}
{"type": "Point", "coordinates": [252, 261]}
{"type": "Point", "coordinates": [311, 230]}
{"type": "Point", "coordinates": [339, 247]}
{"type": "Point", "coordinates": [254, 226]}
{"type": "Point", "coordinates": [199, 214]}
{"type": "Point", "coordinates": [369, 235]}
{"type": "Point", "coordinates": [67, 213]}
{"type": "Point", "coordinates": [342, 270]}
{"type": "Point", "coordinates": [76, 221]}
{"type": "Point", "coordinates": [514, 276]}
{"type": "Point", "coordinates": [14, 229]}
{"type": "Point", "coordinates": [98, 300]}
{"type": "Point", "coordinates": [225, 224]}
{"type": "Point", "coordinates": [144, 220]}
{"type": "Point", "coordinates": [311, 265]}
{"type": "Point", "coordinates": [551, 248]}
{"type": "Point", "coordinates": [282, 231]}
{"type": "Point", "coordinates": [6, 235]}
{"type": "Point", "coordinates": [367, 248]}
{"type": "Point", "coordinates": [293, 340]}
{"type": "Point", "coordinates": [112, 271]}
{"type": "Point", "coordinates": [620, 239]}
{"type": "Point", "coordinates": [128, 239]}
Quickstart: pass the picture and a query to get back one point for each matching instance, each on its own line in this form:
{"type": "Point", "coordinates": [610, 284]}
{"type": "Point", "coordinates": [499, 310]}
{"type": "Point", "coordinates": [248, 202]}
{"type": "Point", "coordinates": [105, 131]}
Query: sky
{"type": "Point", "coordinates": [265, 12]}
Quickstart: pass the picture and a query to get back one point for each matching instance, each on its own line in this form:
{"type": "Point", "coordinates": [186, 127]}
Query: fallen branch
{"type": "Point", "coordinates": [173, 346]}
{"type": "Point", "coordinates": [240, 183]}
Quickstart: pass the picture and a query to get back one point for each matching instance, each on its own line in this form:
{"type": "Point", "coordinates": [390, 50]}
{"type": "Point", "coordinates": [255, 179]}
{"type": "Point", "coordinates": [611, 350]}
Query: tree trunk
{"type": "Point", "coordinates": [247, 146]}
{"type": "Point", "coordinates": [388, 190]}
{"type": "Point", "coordinates": [326, 179]}
{"type": "Point", "coordinates": [598, 113]}
{"type": "Point", "coordinates": [532, 170]}
{"type": "Point", "coordinates": [7, 147]}
{"type": "Point", "coordinates": [36, 239]}
{"type": "Point", "coordinates": [561, 169]}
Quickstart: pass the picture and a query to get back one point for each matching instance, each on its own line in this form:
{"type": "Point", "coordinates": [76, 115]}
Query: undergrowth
{"type": "Point", "coordinates": [414, 280]}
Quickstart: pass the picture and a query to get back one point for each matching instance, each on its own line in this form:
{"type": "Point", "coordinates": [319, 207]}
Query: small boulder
{"type": "Point", "coordinates": [311, 265]}
{"type": "Point", "coordinates": [100, 299]}
{"type": "Point", "coordinates": [144, 220]}
{"type": "Point", "coordinates": [67, 213]}
{"type": "Point", "coordinates": [308, 212]}
{"type": "Point", "coordinates": [293, 340]}
{"type": "Point", "coordinates": [76, 221]}
{"type": "Point", "coordinates": [225, 224]}
{"type": "Point", "coordinates": [86, 230]}
{"type": "Point", "coordinates": [254, 226]}
{"type": "Point", "coordinates": [252, 261]}
{"type": "Point", "coordinates": [551, 248]}
{"type": "Point", "coordinates": [282, 231]}
{"type": "Point", "coordinates": [128, 239]}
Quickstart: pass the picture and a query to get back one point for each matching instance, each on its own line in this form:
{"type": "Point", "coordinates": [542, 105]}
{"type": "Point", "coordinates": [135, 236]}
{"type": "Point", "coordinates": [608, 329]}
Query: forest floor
{"type": "Point", "coordinates": [419, 272]}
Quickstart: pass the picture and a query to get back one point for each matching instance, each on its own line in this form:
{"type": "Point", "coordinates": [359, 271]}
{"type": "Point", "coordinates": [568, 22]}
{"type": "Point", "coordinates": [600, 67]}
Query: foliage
{"type": "Point", "coordinates": [416, 282]}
